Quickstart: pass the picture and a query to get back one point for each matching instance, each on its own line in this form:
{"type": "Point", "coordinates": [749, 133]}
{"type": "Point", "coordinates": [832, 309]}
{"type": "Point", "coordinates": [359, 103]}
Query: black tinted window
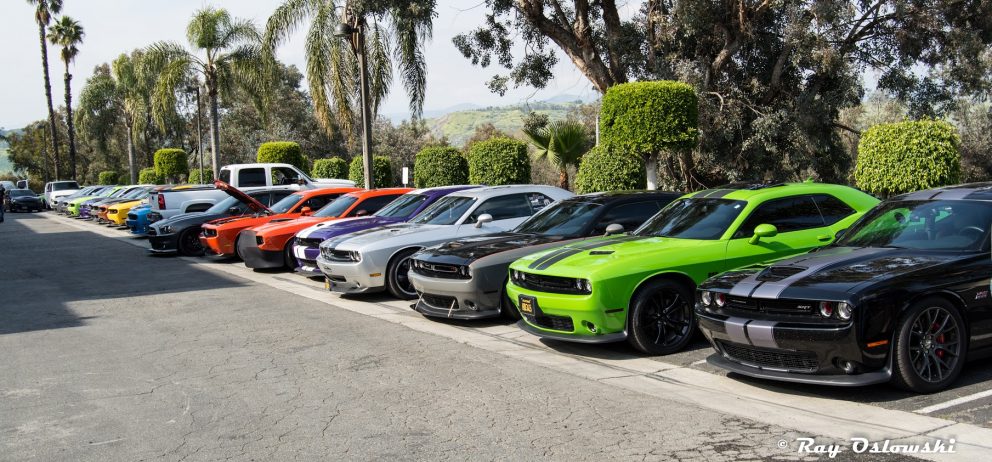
{"type": "Point", "coordinates": [250, 177]}
{"type": "Point", "coordinates": [832, 209]}
{"type": "Point", "coordinates": [505, 207]}
{"type": "Point", "coordinates": [373, 204]}
{"type": "Point", "coordinates": [225, 176]}
{"type": "Point", "coordinates": [631, 216]}
{"type": "Point", "coordinates": [789, 214]}
{"type": "Point", "coordinates": [316, 203]}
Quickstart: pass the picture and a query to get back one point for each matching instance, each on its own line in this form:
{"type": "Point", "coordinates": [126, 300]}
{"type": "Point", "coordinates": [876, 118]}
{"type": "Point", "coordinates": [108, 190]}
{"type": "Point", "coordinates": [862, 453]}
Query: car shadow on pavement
{"type": "Point", "coordinates": [47, 267]}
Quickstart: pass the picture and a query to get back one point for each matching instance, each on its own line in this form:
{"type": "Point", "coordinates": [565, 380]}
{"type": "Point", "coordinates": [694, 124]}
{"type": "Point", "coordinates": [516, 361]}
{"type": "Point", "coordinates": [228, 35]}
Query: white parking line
{"type": "Point", "coordinates": [830, 418]}
{"type": "Point", "coordinates": [954, 402]}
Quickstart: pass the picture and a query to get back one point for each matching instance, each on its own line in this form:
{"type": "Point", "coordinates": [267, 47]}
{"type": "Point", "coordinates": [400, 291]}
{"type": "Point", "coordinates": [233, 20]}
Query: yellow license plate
{"type": "Point", "coordinates": [526, 305]}
{"type": "Point", "coordinates": [327, 284]}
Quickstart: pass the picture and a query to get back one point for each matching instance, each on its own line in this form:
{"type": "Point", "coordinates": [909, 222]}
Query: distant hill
{"type": "Point", "coordinates": [5, 165]}
{"type": "Point", "coordinates": [459, 126]}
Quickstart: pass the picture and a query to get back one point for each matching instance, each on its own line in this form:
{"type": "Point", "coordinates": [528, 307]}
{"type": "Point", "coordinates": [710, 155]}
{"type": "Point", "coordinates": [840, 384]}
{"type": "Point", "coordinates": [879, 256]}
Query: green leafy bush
{"type": "Point", "coordinates": [107, 178]}
{"type": "Point", "coordinates": [498, 161]}
{"type": "Point", "coordinates": [148, 176]}
{"type": "Point", "coordinates": [439, 166]}
{"type": "Point", "coordinates": [907, 156]}
{"type": "Point", "coordinates": [382, 172]}
{"type": "Point", "coordinates": [170, 163]}
{"type": "Point", "coordinates": [610, 170]}
{"type": "Point", "coordinates": [648, 117]}
{"type": "Point", "coordinates": [194, 176]}
{"type": "Point", "coordinates": [282, 152]}
{"type": "Point", "coordinates": [335, 167]}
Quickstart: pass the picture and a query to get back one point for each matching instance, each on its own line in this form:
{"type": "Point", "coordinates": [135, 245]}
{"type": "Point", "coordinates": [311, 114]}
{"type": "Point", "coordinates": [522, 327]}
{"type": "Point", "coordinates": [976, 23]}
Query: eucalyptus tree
{"type": "Point", "coordinates": [396, 32]}
{"type": "Point", "coordinates": [225, 53]}
{"type": "Point", "coordinates": [562, 143]}
{"type": "Point", "coordinates": [44, 9]}
{"type": "Point", "coordinates": [68, 34]}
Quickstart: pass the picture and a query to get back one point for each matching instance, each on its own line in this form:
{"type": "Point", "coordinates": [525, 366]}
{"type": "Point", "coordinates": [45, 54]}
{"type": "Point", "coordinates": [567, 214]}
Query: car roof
{"type": "Point", "coordinates": [308, 193]}
{"type": "Point", "coordinates": [452, 188]}
{"type": "Point", "coordinates": [608, 197]}
{"type": "Point", "coordinates": [765, 191]}
{"type": "Point", "coordinates": [968, 191]}
{"type": "Point", "coordinates": [364, 193]}
{"type": "Point", "coordinates": [485, 192]}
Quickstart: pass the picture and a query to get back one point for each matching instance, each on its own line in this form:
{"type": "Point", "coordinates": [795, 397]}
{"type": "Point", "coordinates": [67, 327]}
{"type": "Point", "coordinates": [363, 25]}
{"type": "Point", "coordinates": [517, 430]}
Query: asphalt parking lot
{"type": "Point", "coordinates": [112, 354]}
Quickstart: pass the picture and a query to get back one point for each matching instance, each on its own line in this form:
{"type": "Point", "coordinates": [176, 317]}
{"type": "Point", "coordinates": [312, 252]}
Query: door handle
{"type": "Point", "coordinates": [825, 237]}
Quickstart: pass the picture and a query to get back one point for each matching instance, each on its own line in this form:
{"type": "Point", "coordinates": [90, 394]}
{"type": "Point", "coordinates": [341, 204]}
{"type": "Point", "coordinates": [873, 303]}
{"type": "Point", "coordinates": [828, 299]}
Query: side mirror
{"type": "Point", "coordinates": [306, 211]}
{"type": "Point", "coordinates": [361, 213]}
{"type": "Point", "coordinates": [483, 219]}
{"type": "Point", "coordinates": [614, 228]}
{"type": "Point", "coordinates": [301, 182]}
{"type": "Point", "coordinates": [763, 230]}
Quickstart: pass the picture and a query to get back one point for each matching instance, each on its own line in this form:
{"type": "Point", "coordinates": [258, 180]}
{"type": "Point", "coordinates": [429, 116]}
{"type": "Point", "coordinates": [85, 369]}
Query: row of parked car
{"type": "Point", "coordinates": [801, 282]}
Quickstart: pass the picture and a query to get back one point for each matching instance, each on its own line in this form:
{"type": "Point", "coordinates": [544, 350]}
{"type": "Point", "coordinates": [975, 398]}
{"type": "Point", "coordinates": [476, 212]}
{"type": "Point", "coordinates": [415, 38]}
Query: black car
{"type": "Point", "coordinates": [22, 200]}
{"type": "Point", "coordinates": [465, 279]}
{"type": "Point", "coordinates": [902, 296]}
{"type": "Point", "coordinates": [181, 233]}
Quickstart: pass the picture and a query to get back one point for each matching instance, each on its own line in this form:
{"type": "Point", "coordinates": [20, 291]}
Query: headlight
{"type": "Point", "coordinates": [355, 256]}
{"type": "Point", "coordinates": [515, 275]}
{"type": "Point", "coordinates": [583, 285]}
{"type": "Point", "coordinates": [706, 297]}
{"type": "Point", "coordinates": [720, 299]}
{"type": "Point", "coordinates": [166, 230]}
{"type": "Point", "coordinates": [844, 311]}
{"type": "Point", "coordinates": [826, 309]}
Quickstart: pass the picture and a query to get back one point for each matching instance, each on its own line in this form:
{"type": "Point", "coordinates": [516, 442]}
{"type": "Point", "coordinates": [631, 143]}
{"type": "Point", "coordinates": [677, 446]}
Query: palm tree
{"type": "Point", "coordinates": [231, 56]}
{"type": "Point", "coordinates": [67, 33]}
{"type": "Point", "coordinates": [130, 93]}
{"type": "Point", "coordinates": [398, 28]}
{"type": "Point", "coordinates": [44, 9]}
{"type": "Point", "coordinates": [562, 143]}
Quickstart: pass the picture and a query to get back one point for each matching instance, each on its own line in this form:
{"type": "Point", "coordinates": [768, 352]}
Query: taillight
{"type": "Point", "coordinates": [161, 202]}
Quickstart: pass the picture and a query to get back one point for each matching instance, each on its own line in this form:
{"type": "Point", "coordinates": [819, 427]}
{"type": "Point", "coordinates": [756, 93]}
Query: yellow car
{"type": "Point", "coordinates": [117, 213]}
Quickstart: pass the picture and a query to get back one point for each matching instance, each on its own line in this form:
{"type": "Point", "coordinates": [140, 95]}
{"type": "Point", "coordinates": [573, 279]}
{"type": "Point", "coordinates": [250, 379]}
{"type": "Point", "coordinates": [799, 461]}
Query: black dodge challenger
{"type": "Point", "coordinates": [901, 296]}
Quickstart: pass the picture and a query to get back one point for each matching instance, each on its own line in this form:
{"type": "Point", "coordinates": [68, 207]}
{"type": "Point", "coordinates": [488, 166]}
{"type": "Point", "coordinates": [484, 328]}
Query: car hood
{"type": "Point", "coordinates": [391, 235]}
{"type": "Point", "coordinates": [329, 229]}
{"type": "Point", "coordinates": [833, 272]}
{"type": "Point", "coordinates": [287, 226]}
{"type": "Point", "coordinates": [25, 199]}
{"type": "Point", "coordinates": [466, 250]}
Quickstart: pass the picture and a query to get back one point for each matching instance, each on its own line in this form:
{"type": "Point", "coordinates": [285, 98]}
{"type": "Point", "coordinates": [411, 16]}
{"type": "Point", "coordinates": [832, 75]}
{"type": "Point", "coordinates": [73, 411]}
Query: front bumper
{"type": "Point", "coordinates": [306, 259]}
{"type": "Point", "coordinates": [792, 352]}
{"type": "Point", "coordinates": [255, 257]}
{"type": "Point", "coordinates": [24, 206]}
{"type": "Point", "coordinates": [163, 243]}
{"type": "Point", "coordinates": [352, 278]}
{"type": "Point", "coordinates": [572, 318]}
{"type": "Point", "coordinates": [454, 298]}
{"type": "Point", "coordinates": [217, 245]}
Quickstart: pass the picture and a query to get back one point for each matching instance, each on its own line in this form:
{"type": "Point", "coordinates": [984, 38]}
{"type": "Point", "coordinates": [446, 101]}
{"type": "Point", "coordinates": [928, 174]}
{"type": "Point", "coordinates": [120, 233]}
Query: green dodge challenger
{"type": "Point", "coordinates": [640, 287]}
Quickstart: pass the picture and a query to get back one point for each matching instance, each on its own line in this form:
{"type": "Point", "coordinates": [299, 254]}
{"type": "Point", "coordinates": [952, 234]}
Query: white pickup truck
{"type": "Point", "coordinates": [246, 177]}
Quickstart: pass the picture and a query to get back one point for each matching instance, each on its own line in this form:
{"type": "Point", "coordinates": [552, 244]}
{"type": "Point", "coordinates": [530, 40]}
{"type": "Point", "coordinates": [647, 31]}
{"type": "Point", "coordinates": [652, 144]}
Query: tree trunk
{"type": "Point", "coordinates": [69, 123]}
{"type": "Point", "coordinates": [48, 96]}
{"type": "Point", "coordinates": [651, 166]}
{"type": "Point", "coordinates": [214, 131]}
{"type": "Point", "coordinates": [563, 178]}
{"type": "Point", "coordinates": [132, 165]}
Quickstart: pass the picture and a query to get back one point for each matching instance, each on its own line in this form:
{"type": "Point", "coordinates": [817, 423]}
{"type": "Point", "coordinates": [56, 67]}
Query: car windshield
{"type": "Point", "coordinates": [691, 218]}
{"type": "Point", "coordinates": [287, 203]}
{"type": "Point", "coordinates": [20, 193]}
{"type": "Point", "coordinates": [224, 205]}
{"type": "Point", "coordinates": [136, 194]}
{"type": "Point", "coordinates": [566, 218]}
{"type": "Point", "coordinates": [403, 206]}
{"type": "Point", "coordinates": [446, 211]}
{"type": "Point", "coordinates": [338, 207]}
{"type": "Point", "coordinates": [64, 185]}
{"type": "Point", "coordinates": [923, 225]}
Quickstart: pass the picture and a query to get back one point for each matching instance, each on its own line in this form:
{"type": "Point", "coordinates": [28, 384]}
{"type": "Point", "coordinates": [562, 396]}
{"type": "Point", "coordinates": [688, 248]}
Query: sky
{"type": "Point", "coordinates": [116, 26]}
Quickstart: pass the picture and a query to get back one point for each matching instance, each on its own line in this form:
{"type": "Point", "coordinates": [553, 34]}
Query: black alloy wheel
{"type": "Point", "coordinates": [398, 278]}
{"type": "Point", "coordinates": [661, 320]}
{"type": "Point", "coordinates": [189, 242]}
{"type": "Point", "coordinates": [930, 347]}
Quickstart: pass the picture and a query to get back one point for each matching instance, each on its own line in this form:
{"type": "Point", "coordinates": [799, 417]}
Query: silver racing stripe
{"type": "Point", "coordinates": [565, 252]}
{"type": "Point", "coordinates": [762, 333]}
{"type": "Point", "coordinates": [773, 289]}
{"type": "Point", "coordinates": [735, 330]}
{"type": "Point", "coordinates": [745, 286]}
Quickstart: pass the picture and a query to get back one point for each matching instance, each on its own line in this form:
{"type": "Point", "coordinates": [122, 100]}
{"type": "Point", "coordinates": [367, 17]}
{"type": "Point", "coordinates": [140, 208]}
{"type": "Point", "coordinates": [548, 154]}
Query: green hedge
{"type": "Point", "coordinates": [648, 117]}
{"type": "Point", "coordinates": [148, 176]}
{"type": "Point", "coordinates": [170, 163]}
{"type": "Point", "coordinates": [107, 178]}
{"type": "Point", "coordinates": [335, 167]}
{"type": "Point", "coordinates": [907, 156]}
{"type": "Point", "coordinates": [194, 176]}
{"type": "Point", "coordinates": [439, 166]}
{"type": "Point", "coordinates": [499, 161]}
{"type": "Point", "coordinates": [382, 172]}
{"type": "Point", "coordinates": [282, 152]}
{"type": "Point", "coordinates": [605, 170]}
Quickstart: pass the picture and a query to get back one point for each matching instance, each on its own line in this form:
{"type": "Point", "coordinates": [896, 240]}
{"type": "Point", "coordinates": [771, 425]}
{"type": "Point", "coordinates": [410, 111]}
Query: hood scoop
{"type": "Point", "coordinates": [778, 273]}
{"type": "Point", "coordinates": [600, 252]}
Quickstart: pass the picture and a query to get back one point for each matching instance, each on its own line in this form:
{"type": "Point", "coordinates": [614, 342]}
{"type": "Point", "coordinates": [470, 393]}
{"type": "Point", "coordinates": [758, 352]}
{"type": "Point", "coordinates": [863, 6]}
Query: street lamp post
{"type": "Point", "coordinates": [199, 133]}
{"type": "Point", "coordinates": [356, 35]}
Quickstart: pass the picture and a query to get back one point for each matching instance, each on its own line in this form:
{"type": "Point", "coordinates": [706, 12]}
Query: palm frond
{"type": "Point", "coordinates": [380, 67]}
{"type": "Point", "coordinates": [67, 33]}
{"type": "Point", "coordinates": [239, 32]}
{"type": "Point", "coordinates": [205, 29]}
{"type": "Point", "coordinates": [410, 36]}
{"type": "Point", "coordinates": [177, 68]}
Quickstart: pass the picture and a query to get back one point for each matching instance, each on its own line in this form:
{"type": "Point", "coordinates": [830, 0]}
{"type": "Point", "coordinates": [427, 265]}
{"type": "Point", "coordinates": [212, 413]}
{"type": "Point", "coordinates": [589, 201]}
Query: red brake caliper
{"type": "Point", "coordinates": [939, 339]}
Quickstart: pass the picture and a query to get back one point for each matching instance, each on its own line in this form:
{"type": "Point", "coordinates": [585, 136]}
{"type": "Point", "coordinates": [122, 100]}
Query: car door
{"type": "Point", "coordinates": [800, 225]}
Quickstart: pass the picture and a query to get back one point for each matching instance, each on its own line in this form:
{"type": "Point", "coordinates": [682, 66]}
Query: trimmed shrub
{"type": "Point", "coordinates": [604, 170]}
{"type": "Point", "coordinates": [107, 178]}
{"type": "Point", "coordinates": [335, 167]}
{"type": "Point", "coordinates": [907, 156]}
{"type": "Point", "coordinates": [148, 176]}
{"type": "Point", "coordinates": [382, 171]}
{"type": "Point", "coordinates": [170, 163]}
{"type": "Point", "coordinates": [499, 161]}
{"type": "Point", "coordinates": [282, 152]}
{"type": "Point", "coordinates": [194, 176]}
{"type": "Point", "coordinates": [648, 117]}
{"type": "Point", "coordinates": [439, 166]}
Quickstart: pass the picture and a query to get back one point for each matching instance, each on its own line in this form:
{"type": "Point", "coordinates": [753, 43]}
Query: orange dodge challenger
{"type": "Point", "coordinates": [271, 245]}
{"type": "Point", "coordinates": [221, 235]}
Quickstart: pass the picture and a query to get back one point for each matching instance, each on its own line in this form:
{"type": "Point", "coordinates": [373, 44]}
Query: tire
{"type": "Point", "coordinates": [237, 251]}
{"type": "Point", "coordinates": [661, 320]}
{"type": "Point", "coordinates": [189, 243]}
{"type": "Point", "coordinates": [506, 307]}
{"type": "Point", "coordinates": [930, 346]}
{"type": "Point", "coordinates": [287, 255]}
{"type": "Point", "coordinates": [397, 281]}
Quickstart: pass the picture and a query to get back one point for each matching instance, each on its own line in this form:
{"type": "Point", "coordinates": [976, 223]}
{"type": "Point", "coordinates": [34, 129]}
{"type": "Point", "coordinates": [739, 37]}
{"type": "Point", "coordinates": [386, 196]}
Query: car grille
{"type": "Point", "coordinates": [548, 321]}
{"type": "Point", "coordinates": [208, 232]}
{"type": "Point", "coordinates": [441, 271]}
{"type": "Point", "coordinates": [440, 301]}
{"type": "Point", "coordinates": [550, 284]}
{"type": "Point", "coordinates": [771, 306]}
{"type": "Point", "coordinates": [793, 361]}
